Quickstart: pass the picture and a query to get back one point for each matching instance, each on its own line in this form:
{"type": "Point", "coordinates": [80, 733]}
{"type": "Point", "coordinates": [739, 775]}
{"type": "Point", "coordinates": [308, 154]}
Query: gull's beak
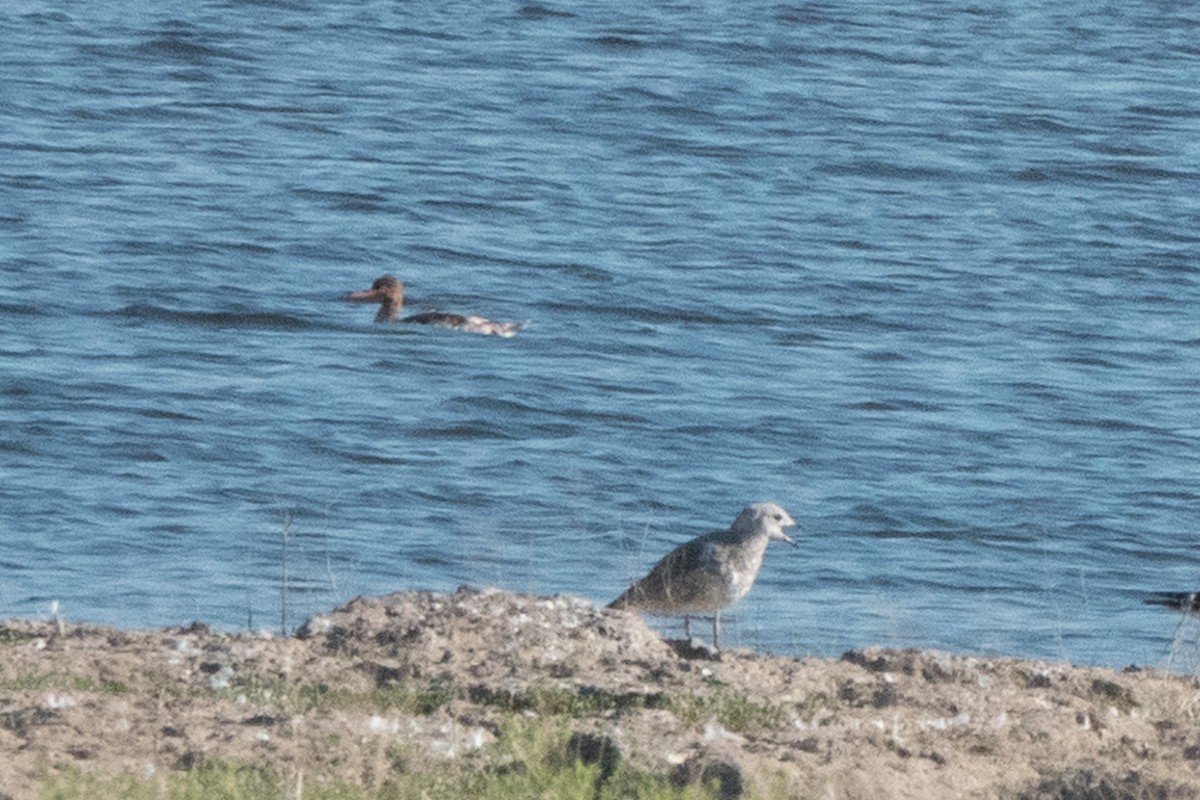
{"type": "Point", "coordinates": [787, 522]}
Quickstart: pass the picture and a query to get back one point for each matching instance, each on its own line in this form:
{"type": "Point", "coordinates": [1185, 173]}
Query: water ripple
{"type": "Point", "coordinates": [924, 273]}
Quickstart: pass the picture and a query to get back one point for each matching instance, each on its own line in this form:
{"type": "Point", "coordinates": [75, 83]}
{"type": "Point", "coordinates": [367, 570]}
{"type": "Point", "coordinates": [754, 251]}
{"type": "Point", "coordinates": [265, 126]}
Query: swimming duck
{"type": "Point", "coordinates": [389, 293]}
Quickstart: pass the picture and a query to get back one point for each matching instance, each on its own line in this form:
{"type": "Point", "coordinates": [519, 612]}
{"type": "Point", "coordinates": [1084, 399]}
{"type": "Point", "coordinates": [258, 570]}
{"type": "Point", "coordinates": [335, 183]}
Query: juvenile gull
{"type": "Point", "coordinates": [389, 293]}
{"type": "Point", "coordinates": [1187, 602]}
{"type": "Point", "coordinates": [710, 572]}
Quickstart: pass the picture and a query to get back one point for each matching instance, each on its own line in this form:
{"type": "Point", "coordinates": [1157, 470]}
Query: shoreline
{"type": "Point", "coordinates": [386, 692]}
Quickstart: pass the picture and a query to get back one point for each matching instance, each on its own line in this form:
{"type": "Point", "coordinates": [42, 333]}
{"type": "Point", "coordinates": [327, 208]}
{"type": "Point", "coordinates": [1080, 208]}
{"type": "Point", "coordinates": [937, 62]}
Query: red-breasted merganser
{"type": "Point", "coordinates": [389, 293]}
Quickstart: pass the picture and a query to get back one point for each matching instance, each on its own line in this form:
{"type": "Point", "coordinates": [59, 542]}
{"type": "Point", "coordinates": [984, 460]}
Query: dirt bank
{"type": "Point", "coordinates": [437, 677]}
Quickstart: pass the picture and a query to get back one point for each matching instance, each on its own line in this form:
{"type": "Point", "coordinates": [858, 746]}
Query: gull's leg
{"type": "Point", "coordinates": [716, 629]}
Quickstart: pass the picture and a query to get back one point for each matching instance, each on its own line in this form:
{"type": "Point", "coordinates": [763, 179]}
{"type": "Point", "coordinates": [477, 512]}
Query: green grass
{"type": "Point", "coordinates": [215, 780]}
{"type": "Point", "coordinates": [410, 697]}
{"type": "Point", "coordinates": [732, 711]}
{"type": "Point", "coordinates": [530, 761]}
{"type": "Point", "coordinates": [62, 682]}
{"type": "Point", "coordinates": [562, 701]}
{"type": "Point", "coordinates": [13, 636]}
{"type": "Point", "coordinates": [532, 756]}
{"type": "Point", "coordinates": [426, 697]}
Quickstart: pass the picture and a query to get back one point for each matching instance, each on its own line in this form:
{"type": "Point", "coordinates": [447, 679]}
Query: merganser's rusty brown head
{"type": "Point", "coordinates": [388, 292]}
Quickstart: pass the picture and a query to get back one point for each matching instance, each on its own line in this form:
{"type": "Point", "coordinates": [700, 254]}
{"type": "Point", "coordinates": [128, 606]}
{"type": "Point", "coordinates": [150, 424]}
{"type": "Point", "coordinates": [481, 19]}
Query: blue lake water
{"type": "Point", "coordinates": [926, 273]}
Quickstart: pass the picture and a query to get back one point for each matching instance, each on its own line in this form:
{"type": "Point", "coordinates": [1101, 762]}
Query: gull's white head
{"type": "Point", "coordinates": [761, 519]}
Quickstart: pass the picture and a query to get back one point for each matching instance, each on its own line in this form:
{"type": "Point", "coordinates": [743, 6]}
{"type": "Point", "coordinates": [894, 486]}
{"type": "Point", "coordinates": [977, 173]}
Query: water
{"type": "Point", "coordinates": [925, 273]}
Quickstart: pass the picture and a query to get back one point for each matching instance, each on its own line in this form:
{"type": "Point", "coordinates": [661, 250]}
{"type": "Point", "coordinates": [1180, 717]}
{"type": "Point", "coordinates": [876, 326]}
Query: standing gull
{"type": "Point", "coordinates": [710, 572]}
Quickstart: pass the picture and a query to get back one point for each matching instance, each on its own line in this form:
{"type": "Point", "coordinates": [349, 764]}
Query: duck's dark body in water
{"type": "Point", "coordinates": [1187, 602]}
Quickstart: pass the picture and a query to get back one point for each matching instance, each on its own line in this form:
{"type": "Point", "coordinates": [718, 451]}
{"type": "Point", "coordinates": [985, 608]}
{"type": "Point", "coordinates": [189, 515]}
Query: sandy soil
{"type": "Point", "coordinates": [438, 674]}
